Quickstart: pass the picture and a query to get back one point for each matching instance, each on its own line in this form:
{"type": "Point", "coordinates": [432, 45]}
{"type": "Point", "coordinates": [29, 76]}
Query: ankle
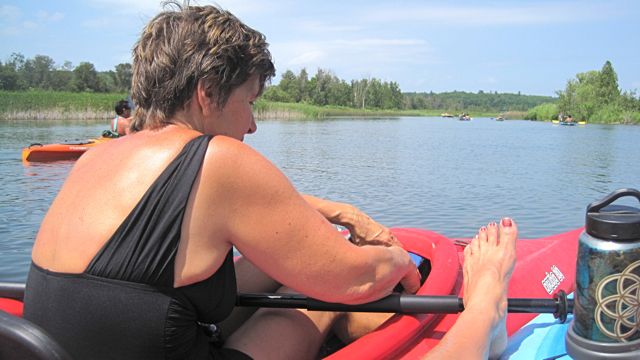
{"type": "Point", "coordinates": [492, 309]}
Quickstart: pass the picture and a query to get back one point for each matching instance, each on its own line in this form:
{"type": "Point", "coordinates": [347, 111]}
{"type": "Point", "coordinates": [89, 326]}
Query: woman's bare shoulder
{"type": "Point", "coordinates": [231, 157]}
{"type": "Point", "coordinates": [227, 147]}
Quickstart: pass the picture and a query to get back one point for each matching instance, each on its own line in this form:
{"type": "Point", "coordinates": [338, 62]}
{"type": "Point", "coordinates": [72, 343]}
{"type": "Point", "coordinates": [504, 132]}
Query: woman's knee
{"type": "Point", "coordinates": [283, 333]}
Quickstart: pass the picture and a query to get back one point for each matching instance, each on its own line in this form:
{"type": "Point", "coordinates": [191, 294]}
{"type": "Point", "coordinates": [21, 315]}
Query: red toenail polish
{"type": "Point", "coordinates": [506, 222]}
{"type": "Point", "coordinates": [492, 224]}
{"type": "Point", "coordinates": [483, 229]}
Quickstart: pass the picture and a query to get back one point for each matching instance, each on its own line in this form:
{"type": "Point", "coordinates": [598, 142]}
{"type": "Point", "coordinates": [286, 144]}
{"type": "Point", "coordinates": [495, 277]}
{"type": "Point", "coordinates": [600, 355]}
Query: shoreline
{"type": "Point", "coordinates": [52, 105]}
{"type": "Point", "coordinates": [56, 114]}
{"type": "Point", "coordinates": [265, 112]}
{"type": "Point", "coordinates": [42, 105]}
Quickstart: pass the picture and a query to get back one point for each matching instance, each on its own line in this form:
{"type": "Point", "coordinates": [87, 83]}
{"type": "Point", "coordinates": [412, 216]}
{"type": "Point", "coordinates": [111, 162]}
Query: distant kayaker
{"type": "Point", "coordinates": [150, 273]}
{"type": "Point", "coordinates": [120, 124]}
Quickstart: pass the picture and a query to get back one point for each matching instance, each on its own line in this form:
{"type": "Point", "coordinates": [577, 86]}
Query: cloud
{"type": "Point", "coordinates": [324, 28]}
{"type": "Point", "coordinates": [13, 21]}
{"type": "Point", "coordinates": [248, 7]}
{"type": "Point", "coordinates": [151, 7]}
{"type": "Point", "coordinates": [494, 14]}
{"type": "Point", "coordinates": [30, 25]}
{"type": "Point", "coordinates": [9, 20]}
{"type": "Point", "coordinates": [147, 7]}
{"type": "Point", "coordinates": [44, 16]}
{"type": "Point", "coordinates": [308, 57]}
{"type": "Point", "coordinates": [353, 57]}
{"type": "Point", "coordinates": [490, 80]}
{"type": "Point", "coordinates": [379, 43]}
{"type": "Point", "coordinates": [9, 13]}
{"type": "Point", "coordinates": [98, 23]}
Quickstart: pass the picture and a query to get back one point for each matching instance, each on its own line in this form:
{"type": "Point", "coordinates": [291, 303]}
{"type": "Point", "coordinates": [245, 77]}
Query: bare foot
{"type": "Point", "coordinates": [489, 262]}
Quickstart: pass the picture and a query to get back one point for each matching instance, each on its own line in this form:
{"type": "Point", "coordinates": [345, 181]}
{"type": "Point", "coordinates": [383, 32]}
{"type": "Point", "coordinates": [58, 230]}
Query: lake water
{"type": "Point", "coordinates": [440, 174]}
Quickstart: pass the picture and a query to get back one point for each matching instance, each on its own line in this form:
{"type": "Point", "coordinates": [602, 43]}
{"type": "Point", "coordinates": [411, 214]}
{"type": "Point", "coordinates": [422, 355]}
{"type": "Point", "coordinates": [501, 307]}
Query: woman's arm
{"type": "Point", "coordinates": [268, 221]}
{"type": "Point", "coordinates": [363, 229]}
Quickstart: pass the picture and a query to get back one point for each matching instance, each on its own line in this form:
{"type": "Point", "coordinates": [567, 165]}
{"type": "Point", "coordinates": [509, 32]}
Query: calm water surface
{"type": "Point", "coordinates": [440, 174]}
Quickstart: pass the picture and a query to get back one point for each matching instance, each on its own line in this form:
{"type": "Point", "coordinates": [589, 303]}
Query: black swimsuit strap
{"type": "Point", "coordinates": [144, 246]}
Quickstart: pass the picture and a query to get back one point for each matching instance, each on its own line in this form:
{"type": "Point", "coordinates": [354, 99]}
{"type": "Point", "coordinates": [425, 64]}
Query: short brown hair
{"type": "Point", "coordinates": [179, 48]}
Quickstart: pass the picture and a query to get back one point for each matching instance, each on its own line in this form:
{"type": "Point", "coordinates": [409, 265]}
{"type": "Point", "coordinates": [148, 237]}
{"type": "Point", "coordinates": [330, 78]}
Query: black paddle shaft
{"type": "Point", "coordinates": [560, 306]}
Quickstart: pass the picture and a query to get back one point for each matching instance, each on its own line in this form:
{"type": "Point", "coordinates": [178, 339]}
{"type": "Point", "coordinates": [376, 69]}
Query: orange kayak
{"type": "Point", "coordinates": [70, 150]}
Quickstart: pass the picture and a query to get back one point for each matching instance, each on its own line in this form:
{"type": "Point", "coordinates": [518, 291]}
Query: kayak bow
{"type": "Point", "coordinates": [544, 268]}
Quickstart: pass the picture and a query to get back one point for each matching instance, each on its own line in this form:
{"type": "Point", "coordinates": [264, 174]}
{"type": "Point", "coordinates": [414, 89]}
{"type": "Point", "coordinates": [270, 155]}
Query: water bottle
{"type": "Point", "coordinates": [606, 321]}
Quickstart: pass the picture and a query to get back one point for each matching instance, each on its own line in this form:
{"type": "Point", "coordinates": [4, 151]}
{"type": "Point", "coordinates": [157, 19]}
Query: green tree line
{"type": "Point", "coordinates": [18, 73]}
{"type": "Point", "coordinates": [324, 88]}
{"type": "Point", "coordinates": [460, 101]}
{"type": "Point", "coordinates": [592, 96]}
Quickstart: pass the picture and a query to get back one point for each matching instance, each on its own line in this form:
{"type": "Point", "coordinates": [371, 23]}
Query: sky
{"type": "Point", "coordinates": [532, 47]}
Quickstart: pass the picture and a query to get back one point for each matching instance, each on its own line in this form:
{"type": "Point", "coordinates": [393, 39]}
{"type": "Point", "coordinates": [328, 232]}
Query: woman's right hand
{"type": "Point", "coordinates": [265, 218]}
{"type": "Point", "coordinates": [411, 279]}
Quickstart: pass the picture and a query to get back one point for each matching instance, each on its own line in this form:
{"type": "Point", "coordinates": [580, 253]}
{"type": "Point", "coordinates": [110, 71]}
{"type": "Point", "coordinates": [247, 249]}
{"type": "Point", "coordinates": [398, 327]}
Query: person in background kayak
{"type": "Point", "coordinates": [120, 123]}
{"type": "Point", "coordinates": [150, 274]}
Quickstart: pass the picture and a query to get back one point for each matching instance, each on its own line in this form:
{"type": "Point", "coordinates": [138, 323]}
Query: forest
{"type": "Point", "coordinates": [41, 73]}
{"type": "Point", "coordinates": [592, 96]}
{"type": "Point", "coordinates": [19, 73]}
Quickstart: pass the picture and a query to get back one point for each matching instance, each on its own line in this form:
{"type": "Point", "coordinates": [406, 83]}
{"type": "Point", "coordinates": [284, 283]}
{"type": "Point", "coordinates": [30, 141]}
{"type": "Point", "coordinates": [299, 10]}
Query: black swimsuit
{"type": "Point", "coordinates": [124, 305]}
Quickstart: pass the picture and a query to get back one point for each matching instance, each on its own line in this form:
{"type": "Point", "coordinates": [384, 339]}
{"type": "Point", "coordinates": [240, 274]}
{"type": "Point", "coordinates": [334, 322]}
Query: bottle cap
{"type": "Point", "coordinates": [614, 222]}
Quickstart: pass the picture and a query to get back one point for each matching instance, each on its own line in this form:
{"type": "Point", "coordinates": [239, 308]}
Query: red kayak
{"type": "Point", "coordinates": [544, 267]}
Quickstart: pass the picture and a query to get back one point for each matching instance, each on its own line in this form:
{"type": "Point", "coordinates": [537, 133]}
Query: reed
{"type": "Point", "coordinates": [55, 114]}
{"type": "Point", "coordinates": [51, 105]}
{"type": "Point", "coordinates": [517, 115]}
{"type": "Point", "coordinates": [284, 111]}
{"type": "Point", "coordinates": [46, 105]}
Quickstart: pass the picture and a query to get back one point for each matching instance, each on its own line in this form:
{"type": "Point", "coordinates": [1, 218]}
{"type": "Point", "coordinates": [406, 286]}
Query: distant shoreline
{"type": "Point", "coordinates": [273, 113]}
{"type": "Point", "coordinates": [54, 105]}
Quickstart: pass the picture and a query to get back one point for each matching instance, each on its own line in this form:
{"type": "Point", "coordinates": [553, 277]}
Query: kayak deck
{"type": "Point", "coordinates": [544, 267]}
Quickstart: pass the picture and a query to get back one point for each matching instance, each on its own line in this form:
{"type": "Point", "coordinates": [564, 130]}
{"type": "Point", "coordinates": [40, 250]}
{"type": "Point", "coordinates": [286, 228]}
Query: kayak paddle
{"type": "Point", "coordinates": [559, 306]}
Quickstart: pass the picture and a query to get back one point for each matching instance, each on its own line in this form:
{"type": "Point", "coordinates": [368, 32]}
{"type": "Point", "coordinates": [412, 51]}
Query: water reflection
{"type": "Point", "coordinates": [439, 174]}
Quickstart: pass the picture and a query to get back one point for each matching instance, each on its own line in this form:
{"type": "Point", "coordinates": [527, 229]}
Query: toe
{"type": "Point", "coordinates": [492, 233]}
{"type": "Point", "coordinates": [468, 250]}
{"type": "Point", "coordinates": [482, 234]}
{"type": "Point", "coordinates": [475, 244]}
{"type": "Point", "coordinates": [508, 231]}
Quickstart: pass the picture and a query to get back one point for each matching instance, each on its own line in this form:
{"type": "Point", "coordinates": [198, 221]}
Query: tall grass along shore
{"type": "Point", "coordinates": [53, 105]}
{"type": "Point", "coordinates": [56, 105]}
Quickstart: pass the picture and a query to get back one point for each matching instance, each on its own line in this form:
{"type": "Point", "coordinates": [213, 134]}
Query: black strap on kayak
{"type": "Point", "coordinates": [12, 290]}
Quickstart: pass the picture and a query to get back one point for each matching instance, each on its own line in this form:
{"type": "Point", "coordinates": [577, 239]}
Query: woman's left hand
{"type": "Point", "coordinates": [363, 229]}
{"type": "Point", "coordinates": [366, 231]}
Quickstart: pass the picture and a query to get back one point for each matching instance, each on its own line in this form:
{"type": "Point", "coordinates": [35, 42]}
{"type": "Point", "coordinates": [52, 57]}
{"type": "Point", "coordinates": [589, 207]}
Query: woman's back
{"type": "Point", "coordinates": [127, 288]}
{"type": "Point", "coordinates": [101, 190]}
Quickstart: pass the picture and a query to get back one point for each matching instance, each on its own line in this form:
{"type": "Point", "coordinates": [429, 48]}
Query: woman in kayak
{"type": "Point", "coordinates": [150, 274]}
